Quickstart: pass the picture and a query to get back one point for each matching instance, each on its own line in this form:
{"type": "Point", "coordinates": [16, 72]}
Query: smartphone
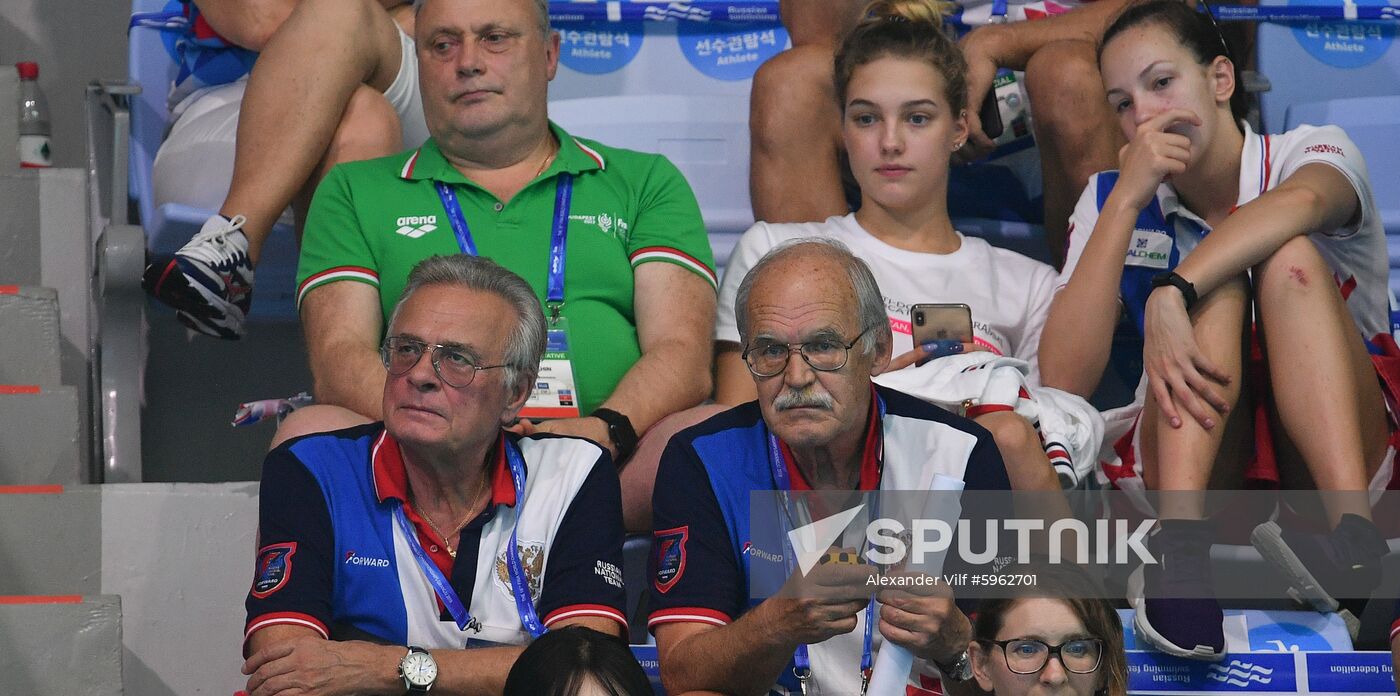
{"type": "Point", "coordinates": [941, 321]}
{"type": "Point", "coordinates": [990, 113]}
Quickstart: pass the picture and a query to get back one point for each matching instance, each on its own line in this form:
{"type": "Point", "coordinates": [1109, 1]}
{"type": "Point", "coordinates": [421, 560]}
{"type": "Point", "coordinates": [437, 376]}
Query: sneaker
{"type": "Point", "coordinates": [1175, 610]}
{"type": "Point", "coordinates": [1333, 572]}
{"type": "Point", "coordinates": [209, 280]}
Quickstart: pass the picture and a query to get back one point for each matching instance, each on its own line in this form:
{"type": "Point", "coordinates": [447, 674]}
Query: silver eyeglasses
{"type": "Point", "coordinates": [453, 366]}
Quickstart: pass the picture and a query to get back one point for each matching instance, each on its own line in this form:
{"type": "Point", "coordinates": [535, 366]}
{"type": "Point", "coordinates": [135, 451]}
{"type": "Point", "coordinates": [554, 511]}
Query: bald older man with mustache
{"type": "Point", "coordinates": [814, 330]}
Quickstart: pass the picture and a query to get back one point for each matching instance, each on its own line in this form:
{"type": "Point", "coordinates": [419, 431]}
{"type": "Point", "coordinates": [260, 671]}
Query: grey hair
{"type": "Point", "coordinates": [526, 344]}
{"type": "Point", "coordinates": [870, 306]}
{"type": "Point", "coordinates": [541, 12]}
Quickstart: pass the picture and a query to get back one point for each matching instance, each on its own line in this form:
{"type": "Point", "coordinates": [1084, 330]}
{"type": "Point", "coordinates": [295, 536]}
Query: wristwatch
{"type": "Point", "coordinates": [1188, 291]}
{"type": "Point", "coordinates": [959, 671]}
{"type": "Point", "coordinates": [620, 431]}
{"type": "Point", "coordinates": [418, 669]}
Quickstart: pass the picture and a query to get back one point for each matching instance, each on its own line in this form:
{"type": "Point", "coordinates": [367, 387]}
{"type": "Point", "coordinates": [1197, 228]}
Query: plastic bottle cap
{"type": "Point", "coordinates": [28, 71]}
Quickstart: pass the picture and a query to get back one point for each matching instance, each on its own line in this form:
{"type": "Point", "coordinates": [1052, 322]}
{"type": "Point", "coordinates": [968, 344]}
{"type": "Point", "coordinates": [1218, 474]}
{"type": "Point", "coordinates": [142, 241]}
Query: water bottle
{"type": "Point", "coordinates": [34, 133]}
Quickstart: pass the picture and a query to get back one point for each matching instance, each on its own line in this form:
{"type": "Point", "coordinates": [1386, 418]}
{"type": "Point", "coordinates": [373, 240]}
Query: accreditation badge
{"type": "Point", "coordinates": [555, 394]}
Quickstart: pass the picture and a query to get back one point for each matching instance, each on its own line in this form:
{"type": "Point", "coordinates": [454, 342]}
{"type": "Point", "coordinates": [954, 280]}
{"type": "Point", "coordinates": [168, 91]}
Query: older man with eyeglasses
{"type": "Point", "coordinates": [387, 548]}
{"type": "Point", "coordinates": [814, 330]}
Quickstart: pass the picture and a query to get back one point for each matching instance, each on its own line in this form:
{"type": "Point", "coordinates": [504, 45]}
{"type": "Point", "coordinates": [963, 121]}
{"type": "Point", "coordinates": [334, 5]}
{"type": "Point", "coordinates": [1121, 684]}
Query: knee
{"type": "Point", "coordinates": [1062, 76]}
{"type": "Point", "coordinates": [315, 419]}
{"type": "Point", "coordinates": [368, 128]}
{"type": "Point", "coordinates": [1065, 91]}
{"type": "Point", "coordinates": [1293, 268]}
{"type": "Point", "coordinates": [1011, 432]}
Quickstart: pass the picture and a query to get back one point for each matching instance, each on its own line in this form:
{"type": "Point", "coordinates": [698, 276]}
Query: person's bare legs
{"type": "Point", "coordinates": [315, 419]}
{"type": "Point", "coordinates": [795, 163]}
{"type": "Point", "coordinates": [639, 475]}
{"type": "Point", "coordinates": [1181, 461]}
{"type": "Point", "coordinates": [296, 96]}
{"type": "Point", "coordinates": [368, 129]}
{"type": "Point", "coordinates": [1074, 129]}
{"type": "Point", "coordinates": [1333, 411]}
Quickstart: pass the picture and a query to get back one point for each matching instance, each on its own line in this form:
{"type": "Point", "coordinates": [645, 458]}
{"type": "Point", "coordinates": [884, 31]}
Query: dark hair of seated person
{"type": "Point", "coordinates": [1082, 592]}
{"type": "Point", "coordinates": [563, 661]}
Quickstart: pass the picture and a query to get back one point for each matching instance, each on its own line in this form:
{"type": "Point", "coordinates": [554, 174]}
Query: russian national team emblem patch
{"type": "Point", "coordinates": [274, 568]}
{"type": "Point", "coordinates": [669, 556]}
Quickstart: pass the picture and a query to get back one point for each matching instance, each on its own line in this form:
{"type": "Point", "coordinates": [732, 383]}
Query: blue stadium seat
{"type": "Point", "coordinates": [152, 66]}
{"type": "Point", "coordinates": [1322, 61]}
{"type": "Point", "coordinates": [1372, 123]}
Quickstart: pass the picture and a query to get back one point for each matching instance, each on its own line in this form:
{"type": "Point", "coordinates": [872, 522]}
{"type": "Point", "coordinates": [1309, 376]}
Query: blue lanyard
{"type": "Point", "coordinates": [519, 584]}
{"type": "Point", "coordinates": [559, 234]}
{"type": "Point", "coordinates": [801, 661]}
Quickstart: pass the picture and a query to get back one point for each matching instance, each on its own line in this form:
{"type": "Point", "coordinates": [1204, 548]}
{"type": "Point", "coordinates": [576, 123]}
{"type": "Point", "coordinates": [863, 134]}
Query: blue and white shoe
{"type": "Point", "coordinates": [209, 281]}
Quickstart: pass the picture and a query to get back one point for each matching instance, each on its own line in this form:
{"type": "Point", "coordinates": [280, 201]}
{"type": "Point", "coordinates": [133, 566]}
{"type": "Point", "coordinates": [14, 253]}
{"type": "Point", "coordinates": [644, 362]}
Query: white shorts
{"type": "Point", "coordinates": [195, 163]}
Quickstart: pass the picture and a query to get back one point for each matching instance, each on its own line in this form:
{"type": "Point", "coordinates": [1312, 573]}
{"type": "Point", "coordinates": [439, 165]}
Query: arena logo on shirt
{"type": "Point", "coordinates": [415, 226]}
{"type": "Point", "coordinates": [351, 558]}
{"type": "Point", "coordinates": [274, 568]}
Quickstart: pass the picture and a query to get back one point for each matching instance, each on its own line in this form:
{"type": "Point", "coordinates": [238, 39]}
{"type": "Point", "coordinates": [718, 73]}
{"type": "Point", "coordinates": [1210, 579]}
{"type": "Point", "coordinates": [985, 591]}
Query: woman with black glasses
{"type": "Point", "coordinates": [1047, 640]}
{"type": "Point", "coordinates": [1255, 268]}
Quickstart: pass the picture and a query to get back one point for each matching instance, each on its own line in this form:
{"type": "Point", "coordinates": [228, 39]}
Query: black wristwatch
{"type": "Point", "coordinates": [1188, 291]}
{"type": "Point", "coordinates": [620, 431]}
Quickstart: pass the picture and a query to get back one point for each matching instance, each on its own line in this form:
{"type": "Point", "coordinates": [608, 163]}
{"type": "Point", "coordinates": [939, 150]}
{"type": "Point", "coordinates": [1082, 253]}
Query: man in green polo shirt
{"type": "Point", "coordinates": [611, 240]}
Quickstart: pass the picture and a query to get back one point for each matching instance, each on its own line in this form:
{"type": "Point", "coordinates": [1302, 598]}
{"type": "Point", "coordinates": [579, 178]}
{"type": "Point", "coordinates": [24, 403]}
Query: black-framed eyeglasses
{"type": "Point", "coordinates": [1029, 656]}
{"type": "Point", "coordinates": [768, 358]}
{"type": "Point", "coordinates": [451, 364]}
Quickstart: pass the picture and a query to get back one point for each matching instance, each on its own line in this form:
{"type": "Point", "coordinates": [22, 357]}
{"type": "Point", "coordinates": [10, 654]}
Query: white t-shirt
{"type": "Point", "coordinates": [1357, 255]}
{"type": "Point", "coordinates": [1009, 293]}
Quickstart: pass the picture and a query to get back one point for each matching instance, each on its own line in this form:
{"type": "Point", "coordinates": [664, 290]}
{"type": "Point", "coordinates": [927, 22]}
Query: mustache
{"type": "Point", "coordinates": [807, 398]}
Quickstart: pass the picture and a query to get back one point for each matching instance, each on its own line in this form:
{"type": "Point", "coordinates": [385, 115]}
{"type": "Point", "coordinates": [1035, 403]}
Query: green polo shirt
{"type": "Point", "coordinates": [372, 221]}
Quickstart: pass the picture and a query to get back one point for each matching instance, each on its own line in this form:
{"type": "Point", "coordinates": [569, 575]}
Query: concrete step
{"type": "Point", "coordinates": [29, 345]}
{"type": "Point", "coordinates": [39, 435]}
{"type": "Point", "coordinates": [46, 240]}
{"type": "Point", "coordinates": [37, 519]}
{"type": "Point", "coordinates": [68, 645]}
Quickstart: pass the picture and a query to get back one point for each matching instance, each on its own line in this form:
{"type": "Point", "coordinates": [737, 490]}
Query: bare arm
{"type": "Point", "coordinates": [1316, 198]}
{"type": "Point", "coordinates": [1012, 44]}
{"type": "Point", "coordinates": [795, 138]}
{"type": "Point", "coordinates": [343, 324]}
{"type": "Point", "coordinates": [745, 657]}
{"type": "Point", "coordinates": [298, 660]}
{"type": "Point", "coordinates": [733, 381]}
{"type": "Point", "coordinates": [1085, 311]}
{"type": "Point", "coordinates": [675, 311]}
{"type": "Point", "coordinates": [247, 23]}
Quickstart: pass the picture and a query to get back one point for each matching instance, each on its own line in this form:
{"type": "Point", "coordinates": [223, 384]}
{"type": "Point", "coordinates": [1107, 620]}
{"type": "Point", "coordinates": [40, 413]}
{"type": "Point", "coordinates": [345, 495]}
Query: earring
{"type": "Point", "coordinates": [957, 146]}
